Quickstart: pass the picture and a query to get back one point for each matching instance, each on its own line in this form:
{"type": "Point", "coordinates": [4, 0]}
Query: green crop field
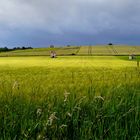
{"type": "Point", "coordinates": [69, 97]}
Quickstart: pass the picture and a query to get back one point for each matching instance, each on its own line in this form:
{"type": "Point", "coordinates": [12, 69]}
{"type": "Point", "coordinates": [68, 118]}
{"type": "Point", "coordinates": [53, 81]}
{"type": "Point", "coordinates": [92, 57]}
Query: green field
{"type": "Point", "coordinates": [69, 98]}
{"type": "Point", "coordinates": [78, 50]}
{"type": "Point", "coordinates": [42, 51]}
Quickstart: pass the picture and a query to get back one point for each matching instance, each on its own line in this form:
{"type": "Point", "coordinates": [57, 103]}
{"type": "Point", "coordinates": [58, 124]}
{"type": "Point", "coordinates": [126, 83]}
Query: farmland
{"type": "Point", "coordinates": [81, 97]}
{"type": "Point", "coordinates": [111, 50]}
{"type": "Point", "coordinates": [42, 51]}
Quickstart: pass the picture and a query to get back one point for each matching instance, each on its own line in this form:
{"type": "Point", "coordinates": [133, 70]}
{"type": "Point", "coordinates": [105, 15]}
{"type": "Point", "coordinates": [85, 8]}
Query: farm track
{"type": "Point", "coordinates": [90, 50]}
{"type": "Point", "coordinates": [133, 50]}
{"type": "Point", "coordinates": [110, 50]}
{"type": "Point", "coordinates": [114, 50]}
{"type": "Point", "coordinates": [137, 49]}
{"type": "Point", "coordinates": [78, 50]}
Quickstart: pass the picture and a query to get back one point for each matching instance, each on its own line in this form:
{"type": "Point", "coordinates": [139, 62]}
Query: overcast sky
{"type": "Point", "coordinates": [39, 23]}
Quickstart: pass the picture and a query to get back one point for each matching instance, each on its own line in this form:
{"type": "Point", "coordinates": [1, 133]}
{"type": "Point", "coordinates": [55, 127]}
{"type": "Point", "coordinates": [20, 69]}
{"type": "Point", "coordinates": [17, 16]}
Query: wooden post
{"type": "Point", "coordinates": [138, 63]}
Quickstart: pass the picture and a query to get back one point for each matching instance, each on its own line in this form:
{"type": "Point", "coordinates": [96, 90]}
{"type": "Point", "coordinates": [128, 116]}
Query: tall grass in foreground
{"type": "Point", "coordinates": [70, 103]}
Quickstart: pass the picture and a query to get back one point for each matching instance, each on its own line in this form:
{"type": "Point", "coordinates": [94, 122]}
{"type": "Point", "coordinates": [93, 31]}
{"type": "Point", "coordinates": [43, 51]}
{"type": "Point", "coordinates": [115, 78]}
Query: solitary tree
{"type": "Point", "coordinates": [110, 44]}
{"type": "Point", "coordinates": [51, 46]}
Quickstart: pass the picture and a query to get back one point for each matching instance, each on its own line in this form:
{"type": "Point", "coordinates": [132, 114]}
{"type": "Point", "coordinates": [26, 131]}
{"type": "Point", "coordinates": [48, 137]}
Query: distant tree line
{"type": "Point", "coordinates": [6, 49]}
{"type": "Point", "coordinates": [22, 48]}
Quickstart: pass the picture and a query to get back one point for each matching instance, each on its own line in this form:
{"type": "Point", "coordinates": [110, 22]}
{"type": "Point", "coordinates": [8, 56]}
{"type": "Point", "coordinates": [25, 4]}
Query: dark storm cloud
{"type": "Point", "coordinates": [40, 22]}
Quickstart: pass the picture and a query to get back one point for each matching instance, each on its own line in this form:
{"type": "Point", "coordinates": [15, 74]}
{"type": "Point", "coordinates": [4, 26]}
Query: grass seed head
{"type": "Point", "coordinates": [16, 85]}
{"type": "Point", "coordinates": [69, 114]}
{"type": "Point", "coordinates": [66, 94]}
{"type": "Point", "coordinates": [39, 112]}
{"type": "Point", "coordinates": [63, 126]}
{"type": "Point", "coordinates": [51, 118]}
{"type": "Point", "coordinates": [99, 97]}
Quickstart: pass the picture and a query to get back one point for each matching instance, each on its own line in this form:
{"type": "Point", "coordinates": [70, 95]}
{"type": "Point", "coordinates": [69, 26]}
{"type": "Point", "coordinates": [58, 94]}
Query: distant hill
{"type": "Point", "coordinates": [76, 50]}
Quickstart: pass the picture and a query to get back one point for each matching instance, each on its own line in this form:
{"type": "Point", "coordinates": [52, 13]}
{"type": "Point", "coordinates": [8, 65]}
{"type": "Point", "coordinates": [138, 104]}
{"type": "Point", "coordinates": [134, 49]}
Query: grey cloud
{"type": "Point", "coordinates": [63, 17]}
